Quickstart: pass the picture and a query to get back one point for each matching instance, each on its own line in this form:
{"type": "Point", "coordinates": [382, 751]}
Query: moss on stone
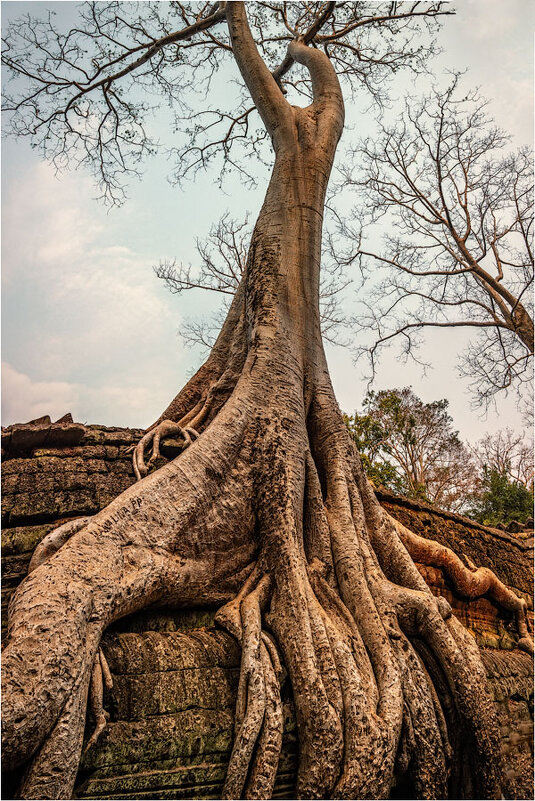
{"type": "Point", "coordinates": [23, 539]}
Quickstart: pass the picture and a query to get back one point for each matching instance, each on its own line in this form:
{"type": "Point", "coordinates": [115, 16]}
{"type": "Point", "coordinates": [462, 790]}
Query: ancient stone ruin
{"type": "Point", "coordinates": [171, 707]}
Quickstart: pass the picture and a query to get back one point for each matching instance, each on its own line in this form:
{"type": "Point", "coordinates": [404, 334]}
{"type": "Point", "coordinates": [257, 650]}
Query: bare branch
{"type": "Point", "coordinates": [221, 266]}
{"type": "Point", "coordinates": [460, 257]}
{"type": "Point", "coordinates": [76, 92]}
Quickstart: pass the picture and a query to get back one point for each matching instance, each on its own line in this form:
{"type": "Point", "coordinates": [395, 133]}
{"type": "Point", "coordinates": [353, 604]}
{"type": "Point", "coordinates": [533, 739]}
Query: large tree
{"type": "Point", "coordinates": [457, 204]}
{"type": "Point", "coordinates": [417, 442]}
{"type": "Point", "coordinates": [267, 511]}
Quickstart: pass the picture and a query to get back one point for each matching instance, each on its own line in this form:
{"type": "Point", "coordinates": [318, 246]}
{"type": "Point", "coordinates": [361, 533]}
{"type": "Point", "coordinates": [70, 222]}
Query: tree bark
{"type": "Point", "coordinates": [269, 513]}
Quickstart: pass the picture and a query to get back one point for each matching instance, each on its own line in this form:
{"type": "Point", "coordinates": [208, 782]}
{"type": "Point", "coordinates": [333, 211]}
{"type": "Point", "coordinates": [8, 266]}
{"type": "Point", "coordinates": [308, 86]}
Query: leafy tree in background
{"type": "Point", "coordinates": [501, 500]}
{"type": "Point", "coordinates": [370, 439]}
{"type": "Point", "coordinates": [411, 447]}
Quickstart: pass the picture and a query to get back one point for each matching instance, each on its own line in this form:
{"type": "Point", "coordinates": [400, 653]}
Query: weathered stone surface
{"type": "Point", "coordinates": [187, 777]}
{"type": "Point", "coordinates": [175, 678]}
{"type": "Point", "coordinates": [111, 435]}
{"type": "Point", "coordinates": [58, 482]}
{"type": "Point", "coordinates": [172, 714]}
{"type": "Point", "coordinates": [140, 697]}
{"type": "Point", "coordinates": [23, 539]}
{"type": "Point", "coordinates": [154, 652]}
{"type": "Point", "coordinates": [25, 438]}
{"type": "Point", "coordinates": [172, 708]}
{"type": "Point", "coordinates": [166, 620]}
{"type": "Point", "coordinates": [511, 679]}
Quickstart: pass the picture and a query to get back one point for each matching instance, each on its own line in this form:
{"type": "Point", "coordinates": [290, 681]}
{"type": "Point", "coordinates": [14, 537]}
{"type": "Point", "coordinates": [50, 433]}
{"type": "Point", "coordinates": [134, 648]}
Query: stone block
{"type": "Point", "coordinates": [166, 620]}
{"type": "Point", "coordinates": [151, 651]}
{"type": "Point", "coordinates": [19, 466]}
{"type": "Point", "coordinates": [55, 464]}
{"type": "Point", "coordinates": [95, 466]}
{"type": "Point", "coordinates": [33, 506]}
{"type": "Point", "coordinates": [15, 567]}
{"type": "Point", "coordinates": [165, 692]}
{"type": "Point", "coordinates": [123, 467]}
{"type": "Point", "coordinates": [76, 504]}
{"type": "Point", "coordinates": [26, 438]}
{"type": "Point", "coordinates": [23, 539]}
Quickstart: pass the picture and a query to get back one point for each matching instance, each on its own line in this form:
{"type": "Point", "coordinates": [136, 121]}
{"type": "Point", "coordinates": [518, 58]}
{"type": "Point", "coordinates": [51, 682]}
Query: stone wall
{"type": "Point", "coordinates": [51, 476]}
{"type": "Point", "coordinates": [173, 707]}
{"type": "Point", "coordinates": [175, 676]}
{"type": "Point", "coordinates": [509, 556]}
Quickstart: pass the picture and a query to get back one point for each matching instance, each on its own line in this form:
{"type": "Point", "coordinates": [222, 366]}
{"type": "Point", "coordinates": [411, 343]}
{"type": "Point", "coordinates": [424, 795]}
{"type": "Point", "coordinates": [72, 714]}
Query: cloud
{"type": "Point", "coordinates": [45, 224]}
{"type": "Point", "coordinates": [24, 398]}
{"type": "Point", "coordinates": [492, 19]}
{"type": "Point", "coordinates": [492, 38]}
{"type": "Point", "coordinates": [82, 307]}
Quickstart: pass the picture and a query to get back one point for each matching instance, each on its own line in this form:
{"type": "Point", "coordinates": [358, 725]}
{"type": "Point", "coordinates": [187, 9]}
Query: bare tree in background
{"type": "Point", "coordinates": [459, 204]}
{"type": "Point", "coordinates": [509, 454]}
{"type": "Point", "coordinates": [267, 512]}
{"type": "Point", "coordinates": [222, 261]}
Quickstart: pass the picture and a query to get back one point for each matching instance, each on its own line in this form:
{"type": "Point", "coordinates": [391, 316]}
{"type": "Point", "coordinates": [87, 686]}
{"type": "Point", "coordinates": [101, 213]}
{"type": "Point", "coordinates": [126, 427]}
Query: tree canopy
{"type": "Point", "coordinates": [86, 95]}
{"type": "Point", "coordinates": [501, 500]}
{"type": "Point", "coordinates": [411, 447]}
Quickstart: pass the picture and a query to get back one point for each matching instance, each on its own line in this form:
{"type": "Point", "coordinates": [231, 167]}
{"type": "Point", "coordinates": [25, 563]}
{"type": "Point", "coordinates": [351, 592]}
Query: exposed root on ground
{"type": "Point", "coordinates": [100, 678]}
{"type": "Point", "coordinates": [382, 675]}
{"type": "Point", "coordinates": [54, 540]}
{"type": "Point", "coordinates": [470, 582]}
{"type": "Point", "coordinates": [166, 428]}
{"type": "Point", "coordinates": [259, 716]}
{"type": "Point", "coordinates": [100, 674]}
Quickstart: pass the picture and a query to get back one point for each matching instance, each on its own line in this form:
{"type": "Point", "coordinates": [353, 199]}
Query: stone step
{"type": "Point", "coordinates": [142, 696]}
{"type": "Point", "coordinates": [186, 781]}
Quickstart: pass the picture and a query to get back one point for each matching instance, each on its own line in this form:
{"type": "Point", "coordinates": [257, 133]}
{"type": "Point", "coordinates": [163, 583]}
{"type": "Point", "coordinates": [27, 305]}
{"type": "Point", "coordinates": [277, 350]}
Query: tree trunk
{"type": "Point", "coordinates": [268, 512]}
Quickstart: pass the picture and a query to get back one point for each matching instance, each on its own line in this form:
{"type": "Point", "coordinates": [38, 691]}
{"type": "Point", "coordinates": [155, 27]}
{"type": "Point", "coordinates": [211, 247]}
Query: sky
{"type": "Point", "coordinates": [88, 328]}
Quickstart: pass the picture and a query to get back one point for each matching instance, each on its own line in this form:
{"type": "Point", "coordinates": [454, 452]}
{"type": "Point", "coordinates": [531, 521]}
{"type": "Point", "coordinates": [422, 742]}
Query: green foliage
{"type": "Point", "coordinates": [501, 500]}
{"type": "Point", "coordinates": [370, 439]}
{"type": "Point", "coordinates": [410, 447]}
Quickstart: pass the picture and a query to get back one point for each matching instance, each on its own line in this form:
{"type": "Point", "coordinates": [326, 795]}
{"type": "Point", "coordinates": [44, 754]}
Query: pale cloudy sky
{"type": "Point", "coordinates": [87, 327]}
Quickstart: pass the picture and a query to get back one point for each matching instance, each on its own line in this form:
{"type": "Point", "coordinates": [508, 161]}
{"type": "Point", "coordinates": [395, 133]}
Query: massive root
{"type": "Point", "coordinates": [472, 582]}
{"type": "Point", "coordinates": [271, 515]}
